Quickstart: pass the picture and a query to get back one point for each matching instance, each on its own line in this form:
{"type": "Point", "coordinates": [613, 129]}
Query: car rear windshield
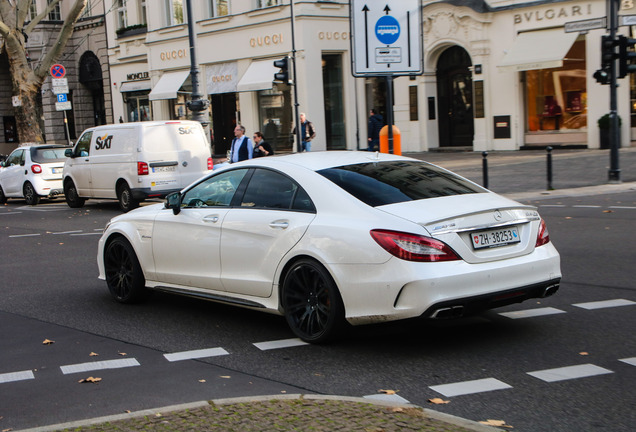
{"type": "Point", "coordinates": [48, 154]}
{"type": "Point", "coordinates": [383, 183]}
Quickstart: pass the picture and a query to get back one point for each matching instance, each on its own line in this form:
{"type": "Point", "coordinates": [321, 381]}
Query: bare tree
{"type": "Point", "coordinates": [27, 82]}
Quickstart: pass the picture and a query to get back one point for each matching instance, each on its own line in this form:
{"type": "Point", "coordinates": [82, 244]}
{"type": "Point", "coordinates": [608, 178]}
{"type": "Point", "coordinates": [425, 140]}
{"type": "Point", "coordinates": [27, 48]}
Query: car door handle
{"type": "Point", "coordinates": [211, 218]}
{"type": "Point", "coordinates": [279, 224]}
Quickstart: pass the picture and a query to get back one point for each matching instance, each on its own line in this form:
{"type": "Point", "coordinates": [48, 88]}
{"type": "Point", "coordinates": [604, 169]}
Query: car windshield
{"type": "Point", "coordinates": [382, 183]}
{"type": "Point", "coordinates": [48, 154]}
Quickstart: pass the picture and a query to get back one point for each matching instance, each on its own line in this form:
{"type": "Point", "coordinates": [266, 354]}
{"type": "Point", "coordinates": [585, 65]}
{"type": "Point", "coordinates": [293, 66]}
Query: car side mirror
{"type": "Point", "coordinates": [173, 201]}
{"type": "Point", "coordinates": [68, 153]}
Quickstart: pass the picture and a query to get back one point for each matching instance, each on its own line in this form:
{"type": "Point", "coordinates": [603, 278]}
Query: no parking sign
{"type": "Point", "coordinates": [58, 71]}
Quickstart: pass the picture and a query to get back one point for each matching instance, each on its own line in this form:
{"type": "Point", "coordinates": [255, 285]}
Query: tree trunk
{"type": "Point", "coordinates": [27, 119]}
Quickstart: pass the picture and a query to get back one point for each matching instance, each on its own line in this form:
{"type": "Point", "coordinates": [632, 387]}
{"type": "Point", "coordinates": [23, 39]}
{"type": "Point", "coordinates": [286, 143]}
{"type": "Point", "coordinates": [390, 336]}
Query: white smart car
{"type": "Point", "coordinates": [32, 172]}
{"type": "Point", "coordinates": [326, 238]}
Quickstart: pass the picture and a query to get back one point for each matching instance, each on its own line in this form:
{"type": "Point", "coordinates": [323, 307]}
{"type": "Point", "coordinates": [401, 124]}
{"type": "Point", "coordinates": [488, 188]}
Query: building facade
{"type": "Point", "coordinates": [86, 62]}
{"type": "Point", "coordinates": [498, 75]}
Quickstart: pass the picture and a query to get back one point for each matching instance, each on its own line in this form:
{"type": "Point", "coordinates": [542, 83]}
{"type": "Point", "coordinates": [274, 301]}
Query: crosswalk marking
{"type": "Point", "coordinates": [604, 304]}
{"type": "Point", "coordinates": [23, 235]}
{"type": "Point", "coordinates": [100, 365]}
{"type": "Point", "coordinates": [16, 376]}
{"type": "Point", "coordinates": [387, 398]}
{"type": "Point", "coordinates": [195, 354]}
{"type": "Point", "coordinates": [569, 372]}
{"type": "Point", "coordinates": [283, 343]}
{"type": "Point", "coordinates": [470, 387]}
{"type": "Point", "coordinates": [631, 361]}
{"type": "Point", "coordinates": [529, 313]}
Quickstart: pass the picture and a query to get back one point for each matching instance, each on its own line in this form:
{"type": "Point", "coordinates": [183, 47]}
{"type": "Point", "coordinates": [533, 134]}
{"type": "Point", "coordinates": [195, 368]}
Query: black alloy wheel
{"type": "Point", "coordinates": [72, 197]}
{"type": "Point", "coordinates": [312, 303]}
{"type": "Point", "coordinates": [124, 276]}
{"type": "Point", "coordinates": [125, 197]}
{"type": "Point", "coordinates": [30, 195]}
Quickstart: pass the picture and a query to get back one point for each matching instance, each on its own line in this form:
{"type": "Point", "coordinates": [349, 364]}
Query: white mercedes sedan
{"type": "Point", "coordinates": [326, 238]}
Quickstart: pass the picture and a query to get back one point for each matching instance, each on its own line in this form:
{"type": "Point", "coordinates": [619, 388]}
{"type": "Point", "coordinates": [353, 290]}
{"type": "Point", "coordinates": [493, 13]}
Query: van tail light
{"type": "Point", "coordinates": [36, 169]}
{"type": "Point", "coordinates": [142, 168]}
{"type": "Point", "coordinates": [210, 163]}
{"type": "Point", "coordinates": [543, 237]}
{"type": "Point", "coordinates": [413, 247]}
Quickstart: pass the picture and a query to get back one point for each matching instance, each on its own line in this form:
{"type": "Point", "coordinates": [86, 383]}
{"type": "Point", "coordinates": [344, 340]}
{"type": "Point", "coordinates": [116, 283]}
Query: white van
{"type": "Point", "coordinates": [131, 162]}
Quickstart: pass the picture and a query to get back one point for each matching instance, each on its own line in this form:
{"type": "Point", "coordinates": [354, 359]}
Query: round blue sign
{"type": "Point", "coordinates": [387, 30]}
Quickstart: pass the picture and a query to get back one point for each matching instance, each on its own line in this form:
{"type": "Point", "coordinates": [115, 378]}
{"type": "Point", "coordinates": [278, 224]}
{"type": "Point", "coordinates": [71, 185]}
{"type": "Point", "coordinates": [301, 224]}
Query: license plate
{"type": "Point", "coordinates": [495, 237]}
{"type": "Point", "coordinates": [164, 169]}
{"type": "Point", "coordinates": [57, 170]}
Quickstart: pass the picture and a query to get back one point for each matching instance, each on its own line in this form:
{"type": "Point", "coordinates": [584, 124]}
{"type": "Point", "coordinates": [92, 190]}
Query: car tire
{"type": "Point", "coordinates": [3, 197]}
{"type": "Point", "coordinates": [124, 276]}
{"type": "Point", "coordinates": [30, 195]}
{"type": "Point", "coordinates": [125, 197]}
{"type": "Point", "coordinates": [312, 303]}
{"type": "Point", "coordinates": [72, 197]}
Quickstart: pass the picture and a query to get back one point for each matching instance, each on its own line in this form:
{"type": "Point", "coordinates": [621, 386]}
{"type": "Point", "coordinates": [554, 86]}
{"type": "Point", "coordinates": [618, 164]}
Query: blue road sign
{"type": "Point", "coordinates": [62, 97]}
{"type": "Point", "coordinates": [387, 29]}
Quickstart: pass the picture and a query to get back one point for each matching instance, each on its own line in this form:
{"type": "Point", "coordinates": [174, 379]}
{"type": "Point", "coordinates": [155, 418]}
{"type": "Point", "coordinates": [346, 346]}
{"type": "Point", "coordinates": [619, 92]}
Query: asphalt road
{"type": "Point", "coordinates": [494, 366]}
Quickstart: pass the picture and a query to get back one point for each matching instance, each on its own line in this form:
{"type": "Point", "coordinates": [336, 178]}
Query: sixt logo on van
{"type": "Point", "coordinates": [186, 130]}
{"type": "Point", "coordinates": [103, 142]}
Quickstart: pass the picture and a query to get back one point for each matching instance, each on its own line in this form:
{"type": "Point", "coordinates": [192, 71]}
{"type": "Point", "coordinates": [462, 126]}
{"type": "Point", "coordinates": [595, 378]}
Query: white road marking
{"type": "Point", "coordinates": [16, 376]}
{"type": "Point", "coordinates": [388, 398]}
{"type": "Point", "coordinates": [586, 206]}
{"type": "Point", "coordinates": [570, 372]}
{"type": "Point", "coordinates": [23, 235]}
{"type": "Point", "coordinates": [195, 354]}
{"type": "Point", "coordinates": [67, 232]}
{"type": "Point", "coordinates": [87, 234]}
{"type": "Point", "coordinates": [631, 361]}
{"type": "Point", "coordinates": [604, 304]}
{"type": "Point", "coordinates": [283, 343]}
{"type": "Point", "coordinates": [9, 213]}
{"type": "Point", "coordinates": [622, 207]}
{"type": "Point", "coordinates": [552, 205]}
{"type": "Point", "coordinates": [470, 387]}
{"type": "Point", "coordinates": [529, 313]}
{"type": "Point", "coordinates": [99, 365]}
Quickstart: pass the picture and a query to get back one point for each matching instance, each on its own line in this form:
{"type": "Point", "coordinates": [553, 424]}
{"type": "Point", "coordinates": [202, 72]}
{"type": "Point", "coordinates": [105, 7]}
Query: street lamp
{"type": "Point", "coordinates": [198, 104]}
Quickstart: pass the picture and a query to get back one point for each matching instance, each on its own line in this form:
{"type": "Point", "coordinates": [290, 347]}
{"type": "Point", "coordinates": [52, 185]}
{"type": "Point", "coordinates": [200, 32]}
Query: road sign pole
{"type": "Point", "coordinates": [68, 135]}
{"type": "Point", "coordinates": [389, 114]}
{"type": "Point", "coordinates": [614, 173]}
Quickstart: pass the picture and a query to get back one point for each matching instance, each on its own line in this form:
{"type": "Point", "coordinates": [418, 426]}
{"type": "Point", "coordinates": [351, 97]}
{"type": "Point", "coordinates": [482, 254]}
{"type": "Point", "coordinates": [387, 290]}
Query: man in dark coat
{"type": "Point", "coordinates": [376, 122]}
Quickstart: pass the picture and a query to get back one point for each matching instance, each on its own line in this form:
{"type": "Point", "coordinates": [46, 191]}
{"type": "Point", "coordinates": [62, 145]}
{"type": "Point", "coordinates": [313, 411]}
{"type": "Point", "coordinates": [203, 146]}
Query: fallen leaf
{"type": "Point", "coordinates": [7, 430]}
{"type": "Point", "coordinates": [122, 354]}
{"type": "Point", "coordinates": [47, 342]}
{"type": "Point", "coordinates": [498, 423]}
{"type": "Point", "coordinates": [90, 380]}
{"type": "Point", "coordinates": [568, 217]}
{"type": "Point", "coordinates": [438, 401]}
{"type": "Point", "coordinates": [158, 415]}
{"type": "Point", "coordinates": [202, 381]}
{"type": "Point", "coordinates": [225, 376]}
{"type": "Point", "coordinates": [389, 392]}
{"type": "Point", "coordinates": [128, 411]}
{"type": "Point", "coordinates": [93, 354]}
{"type": "Point", "coordinates": [608, 211]}
{"type": "Point", "coordinates": [397, 409]}
{"type": "Point", "coordinates": [283, 391]}
{"type": "Point", "coordinates": [584, 353]}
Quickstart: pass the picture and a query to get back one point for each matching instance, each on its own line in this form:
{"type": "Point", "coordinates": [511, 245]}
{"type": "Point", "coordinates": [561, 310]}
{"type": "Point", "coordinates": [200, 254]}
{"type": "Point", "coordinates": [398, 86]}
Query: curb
{"type": "Point", "coordinates": [572, 192]}
{"type": "Point", "coordinates": [447, 418]}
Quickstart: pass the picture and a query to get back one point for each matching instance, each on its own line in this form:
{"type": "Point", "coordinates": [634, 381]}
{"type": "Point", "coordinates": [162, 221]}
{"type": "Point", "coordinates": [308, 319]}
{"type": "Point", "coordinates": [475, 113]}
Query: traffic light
{"type": "Point", "coordinates": [608, 59]}
{"type": "Point", "coordinates": [626, 56]}
{"type": "Point", "coordinates": [283, 74]}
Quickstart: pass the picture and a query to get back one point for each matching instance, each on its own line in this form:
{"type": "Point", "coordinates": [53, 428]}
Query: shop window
{"type": "Point", "coordinates": [138, 106]}
{"type": "Point", "coordinates": [556, 99]}
{"type": "Point", "coordinates": [275, 117]}
{"type": "Point", "coordinates": [333, 90]}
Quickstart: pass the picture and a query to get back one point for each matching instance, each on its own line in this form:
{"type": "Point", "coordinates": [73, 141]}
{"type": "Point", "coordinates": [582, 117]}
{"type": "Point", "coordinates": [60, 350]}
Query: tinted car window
{"type": "Point", "coordinates": [46, 155]}
{"type": "Point", "coordinates": [272, 190]}
{"type": "Point", "coordinates": [214, 191]}
{"type": "Point", "coordinates": [383, 183]}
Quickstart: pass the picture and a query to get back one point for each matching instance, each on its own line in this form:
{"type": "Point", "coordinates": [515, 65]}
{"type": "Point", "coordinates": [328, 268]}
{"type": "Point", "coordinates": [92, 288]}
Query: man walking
{"type": "Point", "coordinates": [242, 147]}
{"type": "Point", "coordinates": [376, 121]}
{"type": "Point", "coordinates": [308, 133]}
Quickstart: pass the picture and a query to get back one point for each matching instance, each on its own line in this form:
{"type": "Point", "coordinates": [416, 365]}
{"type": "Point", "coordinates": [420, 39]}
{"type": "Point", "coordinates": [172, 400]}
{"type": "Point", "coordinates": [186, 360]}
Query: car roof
{"type": "Point", "coordinates": [318, 160]}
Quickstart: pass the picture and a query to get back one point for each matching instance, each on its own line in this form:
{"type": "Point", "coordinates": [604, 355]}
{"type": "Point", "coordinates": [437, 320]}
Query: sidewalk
{"type": "Point", "coordinates": [519, 175]}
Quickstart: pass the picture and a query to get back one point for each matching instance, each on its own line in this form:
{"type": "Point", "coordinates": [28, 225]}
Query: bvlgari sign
{"type": "Point", "coordinates": [553, 13]}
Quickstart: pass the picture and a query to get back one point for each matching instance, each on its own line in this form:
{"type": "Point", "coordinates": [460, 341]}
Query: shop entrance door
{"type": "Point", "coordinates": [223, 122]}
{"type": "Point", "coordinates": [455, 99]}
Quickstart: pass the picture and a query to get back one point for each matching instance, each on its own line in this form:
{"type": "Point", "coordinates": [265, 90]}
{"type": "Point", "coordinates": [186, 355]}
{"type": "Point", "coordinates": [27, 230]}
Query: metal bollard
{"type": "Point", "coordinates": [549, 150]}
{"type": "Point", "coordinates": [484, 165]}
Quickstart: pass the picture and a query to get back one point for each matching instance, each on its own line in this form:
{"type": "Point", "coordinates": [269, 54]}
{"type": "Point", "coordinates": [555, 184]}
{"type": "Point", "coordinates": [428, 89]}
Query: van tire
{"type": "Point", "coordinates": [70, 194]}
{"type": "Point", "coordinates": [3, 197]}
{"type": "Point", "coordinates": [30, 195]}
{"type": "Point", "coordinates": [125, 197]}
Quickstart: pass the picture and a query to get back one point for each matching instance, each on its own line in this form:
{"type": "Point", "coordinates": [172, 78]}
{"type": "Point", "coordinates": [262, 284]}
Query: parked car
{"type": "Point", "coordinates": [326, 238]}
{"type": "Point", "coordinates": [32, 172]}
{"type": "Point", "coordinates": [131, 162]}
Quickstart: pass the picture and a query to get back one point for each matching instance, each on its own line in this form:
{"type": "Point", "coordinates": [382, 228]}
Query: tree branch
{"type": "Point", "coordinates": [40, 17]}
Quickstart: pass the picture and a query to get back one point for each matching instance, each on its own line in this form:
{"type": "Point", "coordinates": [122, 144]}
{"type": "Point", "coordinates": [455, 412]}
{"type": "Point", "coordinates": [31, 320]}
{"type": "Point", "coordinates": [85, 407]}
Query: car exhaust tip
{"type": "Point", "coordinates": [552, 289]}
{"type": "Point", "coordinates": [448, 312]}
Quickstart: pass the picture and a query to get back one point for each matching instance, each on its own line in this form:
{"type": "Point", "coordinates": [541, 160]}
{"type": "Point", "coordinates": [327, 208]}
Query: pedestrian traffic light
{"type": "Point", "coordinates": [283, 74]}
{"type": "Point", "coordinates": [608, 59]}
{"type": "Point", "coordinates": [602, 76]}
{"type": "Point", "coordinates": [626, 56]}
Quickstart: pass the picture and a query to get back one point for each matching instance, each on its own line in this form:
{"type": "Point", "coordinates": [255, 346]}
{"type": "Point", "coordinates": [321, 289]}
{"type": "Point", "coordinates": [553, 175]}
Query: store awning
{"type": "Point", "coordinates": [538, 50]}
{"type": "Point", "coordinates": [168, 85]}
{"type": "Point", "coordinates": [131, 86]}
{"type": "Point", "coordinates": [259, 76]}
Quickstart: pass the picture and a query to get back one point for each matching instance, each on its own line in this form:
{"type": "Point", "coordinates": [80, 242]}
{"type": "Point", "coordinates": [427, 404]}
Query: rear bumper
{"type": "Point", "coordinates": [141, 194]}
{"type": "Point", "coordinates": [475, 304]}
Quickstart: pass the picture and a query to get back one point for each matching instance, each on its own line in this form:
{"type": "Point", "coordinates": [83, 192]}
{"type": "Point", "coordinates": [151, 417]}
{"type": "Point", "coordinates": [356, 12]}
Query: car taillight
{"type": "Point", "coordinates": [142, 168]}
{"type": "Point", "coordinates": [36, 169]}
{"type": "Point", "coordinates": [543, 237]}
{"type": "Point", "coordinates": [412, 247]}
{"type": "Point", "coordinates": [210, 163]}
